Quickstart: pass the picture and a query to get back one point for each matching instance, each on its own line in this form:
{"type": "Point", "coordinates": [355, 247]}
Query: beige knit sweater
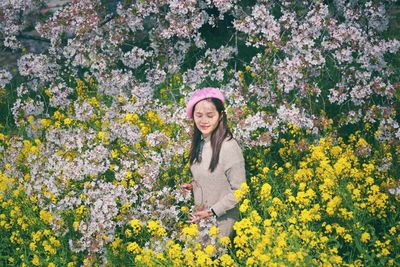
{"type": "Point", "coordinates": [215, 189]}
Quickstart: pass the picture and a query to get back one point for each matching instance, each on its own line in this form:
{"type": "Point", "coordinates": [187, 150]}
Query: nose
{"type": "Point", "coordinates": [204, 119]}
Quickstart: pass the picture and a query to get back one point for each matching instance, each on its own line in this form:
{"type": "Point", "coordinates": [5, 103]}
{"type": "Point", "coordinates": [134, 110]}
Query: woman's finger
{"type": "Point", "coordinates": [186, 186]}
{"type": "Point", "coordinates": [193, 219]}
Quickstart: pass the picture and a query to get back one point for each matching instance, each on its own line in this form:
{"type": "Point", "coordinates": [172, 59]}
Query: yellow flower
{"type": "Point", "coordinates": [369, 180]}
{"type": "Point", "coordinates": [238, 195]}
{"type": "Point", "coordinates": [385, 252]}
{"type": "Point", "coordinates": [45, 123]}
{"type": "Point", "coordinates": [32, 246]}
{"type": "Point", "coordinates": [131, 117]}
{"type": "Point", "coordinates": [35, 260]}
{"type": "Point", "coordinates": [54, 241]}
{"type": "Point", "coordinates": [209, 250]}
{"type": "Point", "coordinates": [75, 225]}
{"type": "Point", "coordinates": [348, 238]}
{"type": "Point", "coordinates": [336, 151]}
{"type": "Point", "coordinates": [342, 166]}
{"type": "Point", "coordinates": [190, 231]}
{"type": "Point", "coordinates": [250, 261]}
{"type": "Point", "coordinates": [277, 251]}
{"type": "Point", "coordinates": [116, 243]}
{"type": "Point", "coordinates": [225, 241]}
{"type": "Point", "coordinates": [265, 191]}
{"type": "Point", "coordinates": [46, 216]}
{"type": "Point", "coordinates": [265, 170]}
{"type": "Point", "coordinates": [241, 75]}
{"type": "Point", "coordinates": [189, 256]}
{"type": "Point", "coordinates": [332, 205]}
{"type": "Point", "coordinates": [244, 206]}
{"type": "Point", "coordinates": [203, 259]}
{"type": "Point", "coordinates": [328, 228]}
{"type": "Point", "coordinates": [241, 192]}
{"type": "Point", "coordinates": [227, 261]}
{"type": "Point", "coordinates": [273, 214]}
{"type": "Point", "coordinates": [337, 259]}
{"type": "Point", "coordinates": [133, 247]}
{"type": "Point", "coordinates": [68, 121]}
{"type": "Point", "coordinates": [103, 136]}
{"type": "Point", "coordinates": [57, 115]}
{"type": "Point", "coordinates": [365, 237]}
{"type": "Point", "coordinates": [292, 257]}
{"type": "Point", "coordinates": [244, 187]}
{"type": "Point", "coordinates": [156, 229]}
{"type": "Point", "coordinates": [114, 154]}
{"type": "Point", "coordinates": [136, 225]}
{"type": "Point", "coordinates": [184, 209]}
{"type": "Point", "coordinates": [128, 174]}
{"type": "Point", "coordinates": [392, 230]}
{"type": "Point", "coordinates": [361, 142]}
{"type": "Point", "coordinates": [94, 102]}
{"type": "Point", "coordinates": [214, 231]}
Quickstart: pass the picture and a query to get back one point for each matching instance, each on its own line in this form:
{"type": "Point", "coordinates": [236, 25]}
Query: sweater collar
{"type": "Point", "coordinates": [207, 139]}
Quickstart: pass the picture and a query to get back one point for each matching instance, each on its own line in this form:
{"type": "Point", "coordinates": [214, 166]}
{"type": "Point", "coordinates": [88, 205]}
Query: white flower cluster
{"type": "Point", "coordinates": [59, 95]}
{"type": "Point", "coordinates": [102, 200]}
{"type": "Point", "coordinates": [295, 116]}
{"type": "Point", "coordinates": [212, 66]}
{"type": "Point", "coordinates": [37, 66]}
{"type": "Point", "coordinates": [5, 77]}
{"type": "Point", "coordinates": [261, 27]}
{"type": "Point", "coordinates": [135, 57]}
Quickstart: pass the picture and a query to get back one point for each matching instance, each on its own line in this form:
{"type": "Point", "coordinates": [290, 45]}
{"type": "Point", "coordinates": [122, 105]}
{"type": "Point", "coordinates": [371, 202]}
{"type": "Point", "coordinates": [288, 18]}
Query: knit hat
{"type": "Point", "coordinates": [204, 93]}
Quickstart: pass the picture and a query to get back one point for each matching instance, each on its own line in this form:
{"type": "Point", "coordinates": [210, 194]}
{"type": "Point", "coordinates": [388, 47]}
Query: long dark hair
{"type": "Point", "coordinates": [217, 136]}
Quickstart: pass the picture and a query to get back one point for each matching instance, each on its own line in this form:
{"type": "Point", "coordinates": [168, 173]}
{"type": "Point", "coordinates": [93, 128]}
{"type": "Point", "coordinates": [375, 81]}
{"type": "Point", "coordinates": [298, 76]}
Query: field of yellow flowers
{"type": "Point", "coordinates": [78, 195]}
{"type": "Point", "coordinates": [94, 139]}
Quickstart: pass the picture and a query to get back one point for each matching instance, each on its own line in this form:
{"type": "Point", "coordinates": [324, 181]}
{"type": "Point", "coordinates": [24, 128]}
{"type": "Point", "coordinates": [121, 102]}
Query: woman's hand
{"type": "Point", "coordinates": [198, 215]}
{"type": "Point", "coordinates": [186, 186]}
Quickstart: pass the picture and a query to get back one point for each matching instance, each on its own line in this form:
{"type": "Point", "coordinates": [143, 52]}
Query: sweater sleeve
{"type": "Point", "coordinates": [233, 162]}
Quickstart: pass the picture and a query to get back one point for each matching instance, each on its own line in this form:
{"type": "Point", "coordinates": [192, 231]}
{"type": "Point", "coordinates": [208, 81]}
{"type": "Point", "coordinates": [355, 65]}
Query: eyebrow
{"type": "Point", "coordinates": [210, 112]}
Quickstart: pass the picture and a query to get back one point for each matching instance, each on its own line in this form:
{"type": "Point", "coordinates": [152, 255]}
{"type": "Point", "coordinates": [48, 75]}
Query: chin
{"type": "Point", "coordinates": [205, 134]}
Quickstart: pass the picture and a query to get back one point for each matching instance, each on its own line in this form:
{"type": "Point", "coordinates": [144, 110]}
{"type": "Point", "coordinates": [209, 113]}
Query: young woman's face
{"type": "Point", "coordinates": [206, 117]}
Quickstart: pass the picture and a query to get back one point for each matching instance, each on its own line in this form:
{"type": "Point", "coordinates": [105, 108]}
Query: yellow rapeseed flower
{"type": "Point", "coordinates": [365, 237]}
{"type": "Point", "coordinates": [265, 191]}
{"type": "Point", "coordinates": [190, 231]}
{"type": "Point", "coordinates": [136, 225]}
{"type": "Point", "coordinates": [32, 246]}
{"type": "Point", "coordinates": [214, 231]}
{"type": "Point", "coordinates": [46, 216]}
{"type": "Point", "coordinates": [68, 121]}
{"type": "Point", "coordinates": [209, 250]}
{"type": "Point", "coordinates": [133, 247]}
{"type": "Point", "coordinates": [35, 260]}
{"type": "Point", "coordinates": [155, 228]}
{"type": "Point", "coordinates": [225, 241]}
{"type": "Point", "coordinates": [244, 206]}
{"type": "Point", "coordinates": [227, 261]}
{"type": "Point", "coordinates": [116, 243]}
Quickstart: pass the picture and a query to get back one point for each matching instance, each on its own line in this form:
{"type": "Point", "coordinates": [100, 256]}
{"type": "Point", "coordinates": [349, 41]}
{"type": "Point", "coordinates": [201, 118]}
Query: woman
{"type": "Point", "coordinates": [216, 160]}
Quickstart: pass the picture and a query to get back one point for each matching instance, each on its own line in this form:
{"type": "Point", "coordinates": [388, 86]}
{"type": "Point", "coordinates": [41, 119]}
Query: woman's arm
{"type": "Point", "coordinates": [233, 162]}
